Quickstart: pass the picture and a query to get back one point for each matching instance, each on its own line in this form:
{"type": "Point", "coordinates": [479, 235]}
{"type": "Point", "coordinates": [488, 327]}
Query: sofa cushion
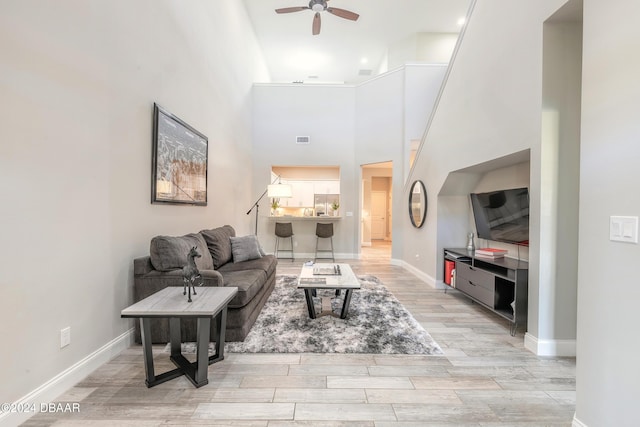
{"type": "Point", "coordinates": [219, 244]}
{"type": "Point", "coordinates": [245, 248]}
{"type": "Point", "coordinates": [169, 253]}
{"type": "Point", "coordinates": [267, 263]}
{"type": "Point", "coordinates": [248, 282]}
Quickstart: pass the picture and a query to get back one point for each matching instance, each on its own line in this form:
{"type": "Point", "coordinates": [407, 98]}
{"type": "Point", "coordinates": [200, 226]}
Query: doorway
{"type": "Point", "coordinates": [376, 212]}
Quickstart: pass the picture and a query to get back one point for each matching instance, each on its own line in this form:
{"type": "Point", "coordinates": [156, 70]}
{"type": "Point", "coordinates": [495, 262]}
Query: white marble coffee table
{"type": "Point", "coordinates": [327, 276]}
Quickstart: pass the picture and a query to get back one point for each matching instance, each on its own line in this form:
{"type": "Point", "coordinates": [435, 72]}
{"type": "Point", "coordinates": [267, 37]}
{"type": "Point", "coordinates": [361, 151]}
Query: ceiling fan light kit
{"type": "Point", "coordinates": [318, 6]}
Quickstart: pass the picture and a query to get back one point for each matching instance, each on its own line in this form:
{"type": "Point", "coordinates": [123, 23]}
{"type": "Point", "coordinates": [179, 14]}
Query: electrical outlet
{"type": "Point", "coordinates": [65, 337]}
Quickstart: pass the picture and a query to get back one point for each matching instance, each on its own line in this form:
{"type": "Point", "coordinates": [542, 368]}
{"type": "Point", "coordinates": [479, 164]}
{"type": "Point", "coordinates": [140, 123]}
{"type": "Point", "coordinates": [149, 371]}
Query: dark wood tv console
{"type": "Point", "coordinates": [500, 284]}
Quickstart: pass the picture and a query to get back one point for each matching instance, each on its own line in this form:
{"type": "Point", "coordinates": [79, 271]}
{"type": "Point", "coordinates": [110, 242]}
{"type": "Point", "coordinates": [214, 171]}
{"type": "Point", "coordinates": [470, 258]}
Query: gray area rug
{"type": "Point", "coordinates": [377, 323]}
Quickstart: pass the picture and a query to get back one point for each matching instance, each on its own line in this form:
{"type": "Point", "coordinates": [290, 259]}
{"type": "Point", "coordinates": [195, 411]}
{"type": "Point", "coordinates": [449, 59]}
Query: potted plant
{"type": "Point", "coordinates": [334, 206]}
{"type": "Point", "coordinates": [275, 204]}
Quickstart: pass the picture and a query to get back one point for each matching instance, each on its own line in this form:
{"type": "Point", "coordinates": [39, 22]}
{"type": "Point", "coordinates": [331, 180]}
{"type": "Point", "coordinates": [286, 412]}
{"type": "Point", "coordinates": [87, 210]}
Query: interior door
{"type": "Point", "coordinates": [378, 215]}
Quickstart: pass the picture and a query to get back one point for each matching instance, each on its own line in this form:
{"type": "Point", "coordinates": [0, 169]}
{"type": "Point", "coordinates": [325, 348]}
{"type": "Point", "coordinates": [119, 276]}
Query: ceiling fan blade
{"type": "Point", "coordinates": [346, 14]}
{"type": "Point", "coordinates": [292, 9]}
{"type": "Point", "coordinates": [316, 24]}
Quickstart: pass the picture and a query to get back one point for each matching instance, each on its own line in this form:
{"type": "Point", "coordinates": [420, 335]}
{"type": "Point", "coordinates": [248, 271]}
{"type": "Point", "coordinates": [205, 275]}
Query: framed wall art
{"type": "Point", "coordinates": [179, 161]}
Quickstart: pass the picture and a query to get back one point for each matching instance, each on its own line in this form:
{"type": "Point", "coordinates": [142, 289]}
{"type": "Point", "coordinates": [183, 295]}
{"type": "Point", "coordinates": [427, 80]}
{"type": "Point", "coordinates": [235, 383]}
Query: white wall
{"type": "Point", "coordinates": [490, 108]}
{"type": "Point", "coordinates": [608, 374]}
{"type": "Point", "coordinates": [430, 48]}
{"type": "Point", "coordinates": [78, 83]}
{"type": "Point", "coordinates": [380, 133]}
{"type": "Point", "coordinates": [349, 126]}
{"type": "Point", "coordinates": [325, 114]}
{"type": "Point", "coordinates": [392, 110]}
{"type": "Point", "coordinates": [422, 83]}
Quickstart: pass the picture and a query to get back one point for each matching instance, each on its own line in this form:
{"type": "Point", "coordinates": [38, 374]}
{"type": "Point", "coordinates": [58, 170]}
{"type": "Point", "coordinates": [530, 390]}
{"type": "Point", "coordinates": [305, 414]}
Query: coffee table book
{"type": "Point", "coordinates": [491, 252]}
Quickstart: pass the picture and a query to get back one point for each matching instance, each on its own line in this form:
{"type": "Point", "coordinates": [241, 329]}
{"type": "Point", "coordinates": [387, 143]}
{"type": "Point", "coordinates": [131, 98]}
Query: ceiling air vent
{"type": "Point", "coordinates": [364, 72]}
{"type": "Point", "coordinates": [303, 140]}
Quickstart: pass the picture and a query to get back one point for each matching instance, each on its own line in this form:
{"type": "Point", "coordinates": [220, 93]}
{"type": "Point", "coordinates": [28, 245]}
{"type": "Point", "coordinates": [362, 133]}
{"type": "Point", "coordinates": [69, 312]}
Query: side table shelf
{"type": "Point", "coordinates": [500, 284]}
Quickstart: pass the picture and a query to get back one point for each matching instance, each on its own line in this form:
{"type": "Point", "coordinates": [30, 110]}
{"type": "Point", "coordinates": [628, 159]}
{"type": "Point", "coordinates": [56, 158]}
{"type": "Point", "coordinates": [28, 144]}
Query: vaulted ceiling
{"type": "Point", "coordinates": [345, 51]}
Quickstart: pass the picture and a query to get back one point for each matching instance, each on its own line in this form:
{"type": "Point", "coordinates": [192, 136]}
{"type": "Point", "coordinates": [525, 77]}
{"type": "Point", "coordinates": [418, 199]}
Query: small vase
{"type": "Point", "coordinates": [471, 246]}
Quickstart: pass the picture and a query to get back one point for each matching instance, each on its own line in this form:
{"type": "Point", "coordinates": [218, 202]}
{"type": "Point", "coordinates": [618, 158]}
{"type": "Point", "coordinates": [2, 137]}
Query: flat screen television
{"type": "Point", "coordinates": [502, 216]}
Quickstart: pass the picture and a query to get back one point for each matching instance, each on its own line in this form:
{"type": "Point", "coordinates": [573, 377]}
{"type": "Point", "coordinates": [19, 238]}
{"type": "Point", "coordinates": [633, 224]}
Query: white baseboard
{"type": "Point", "coordinates": [420, 274]}
{"type": "Point", "coordinates": [62, 382]}
{"type": "Point", "coordinates": [577, 423]}
{"type": "Point", "coordinates": [556, 348]}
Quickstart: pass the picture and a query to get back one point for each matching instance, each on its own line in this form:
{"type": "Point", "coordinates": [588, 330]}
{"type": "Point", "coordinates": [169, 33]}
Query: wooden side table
{"type": "Point", "coordinates": [170, 303]}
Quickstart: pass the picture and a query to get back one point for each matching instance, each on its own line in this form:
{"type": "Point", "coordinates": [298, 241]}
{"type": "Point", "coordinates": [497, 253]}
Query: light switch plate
{"type": "Point", "coordinates": [623, 229]}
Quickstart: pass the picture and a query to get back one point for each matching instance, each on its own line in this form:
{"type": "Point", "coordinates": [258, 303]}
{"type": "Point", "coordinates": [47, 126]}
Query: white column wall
{"type": "Point", "coordinates": [608, 374]}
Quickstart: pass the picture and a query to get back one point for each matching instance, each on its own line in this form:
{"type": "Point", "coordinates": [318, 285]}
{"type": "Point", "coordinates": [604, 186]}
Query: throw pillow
{"type": "Point", "coordinates": [218, 243]}
{"type": "Point", "coordinates": [170, 253]}
{"type": "Point", "coordinates": [245, 248]}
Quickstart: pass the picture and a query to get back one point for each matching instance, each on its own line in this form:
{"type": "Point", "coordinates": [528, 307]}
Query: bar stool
{"type": "Point", "coordinates": [324, 231]}
{"type": "Point", "coordinates": [284, 230]}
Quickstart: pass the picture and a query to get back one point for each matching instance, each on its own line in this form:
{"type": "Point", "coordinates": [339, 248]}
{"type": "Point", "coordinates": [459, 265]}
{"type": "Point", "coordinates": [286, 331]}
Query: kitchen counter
{"type": "Point", "coordinates": [304, 218]}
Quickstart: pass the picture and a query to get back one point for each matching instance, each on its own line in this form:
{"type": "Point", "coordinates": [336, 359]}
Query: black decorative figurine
{"type": "Point", "coordinates": [190, 273]}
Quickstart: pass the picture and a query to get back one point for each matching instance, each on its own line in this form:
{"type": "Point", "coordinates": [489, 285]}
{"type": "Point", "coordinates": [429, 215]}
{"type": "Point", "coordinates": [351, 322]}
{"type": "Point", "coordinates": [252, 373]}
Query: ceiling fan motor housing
{"type": "Point", "coordinates": [318, 5]}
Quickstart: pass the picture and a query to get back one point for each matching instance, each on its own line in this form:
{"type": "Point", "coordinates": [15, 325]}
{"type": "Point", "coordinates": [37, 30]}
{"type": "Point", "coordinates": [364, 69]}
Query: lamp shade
{"type": "Point", "coordinates": [279, 190]}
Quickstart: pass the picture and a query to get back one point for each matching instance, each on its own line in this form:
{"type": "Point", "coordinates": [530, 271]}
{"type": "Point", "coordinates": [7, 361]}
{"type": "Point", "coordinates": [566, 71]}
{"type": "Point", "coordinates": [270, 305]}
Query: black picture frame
{"type": "Point", "coordinates": [179, 161]}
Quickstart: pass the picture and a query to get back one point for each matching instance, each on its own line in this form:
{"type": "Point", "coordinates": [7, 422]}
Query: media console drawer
{"type": "Point", "coordinates": [476, 276]}
{"type": "Point", "coordinates": [476, 291]}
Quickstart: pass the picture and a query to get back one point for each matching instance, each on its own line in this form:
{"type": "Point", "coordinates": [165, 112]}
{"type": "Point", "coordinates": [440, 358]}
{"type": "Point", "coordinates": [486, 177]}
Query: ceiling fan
{"type": "Point", "coordinates": [320, 6]}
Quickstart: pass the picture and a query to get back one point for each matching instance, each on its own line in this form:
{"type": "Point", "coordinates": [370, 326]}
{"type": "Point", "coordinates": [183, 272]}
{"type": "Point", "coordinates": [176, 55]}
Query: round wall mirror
{"type": "Point", "coordinates": [417, 203]}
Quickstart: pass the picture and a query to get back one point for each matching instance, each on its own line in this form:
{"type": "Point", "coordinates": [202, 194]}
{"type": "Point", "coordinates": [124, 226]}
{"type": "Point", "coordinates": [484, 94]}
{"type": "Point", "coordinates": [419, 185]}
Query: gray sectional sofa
{"type": "Point", "coordinates": [226, 260]}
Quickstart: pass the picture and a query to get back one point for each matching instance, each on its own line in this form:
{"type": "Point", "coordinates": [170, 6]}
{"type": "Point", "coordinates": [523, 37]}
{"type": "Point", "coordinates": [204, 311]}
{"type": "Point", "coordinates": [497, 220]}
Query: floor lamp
{"type": "Point", "coordinates": [273, 190]}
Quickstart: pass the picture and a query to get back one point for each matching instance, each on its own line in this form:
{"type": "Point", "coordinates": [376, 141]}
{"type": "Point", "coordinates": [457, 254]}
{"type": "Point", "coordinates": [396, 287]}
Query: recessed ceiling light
{"type": "Point", "coordinates": [364, 60]}
{"type": "Point", "coordinates": [462, 21]}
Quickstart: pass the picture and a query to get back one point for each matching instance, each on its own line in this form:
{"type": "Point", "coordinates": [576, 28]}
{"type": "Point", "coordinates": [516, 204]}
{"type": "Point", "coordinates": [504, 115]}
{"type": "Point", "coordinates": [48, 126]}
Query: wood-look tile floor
{"type": "Point", "coordinates": [485, 378]}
